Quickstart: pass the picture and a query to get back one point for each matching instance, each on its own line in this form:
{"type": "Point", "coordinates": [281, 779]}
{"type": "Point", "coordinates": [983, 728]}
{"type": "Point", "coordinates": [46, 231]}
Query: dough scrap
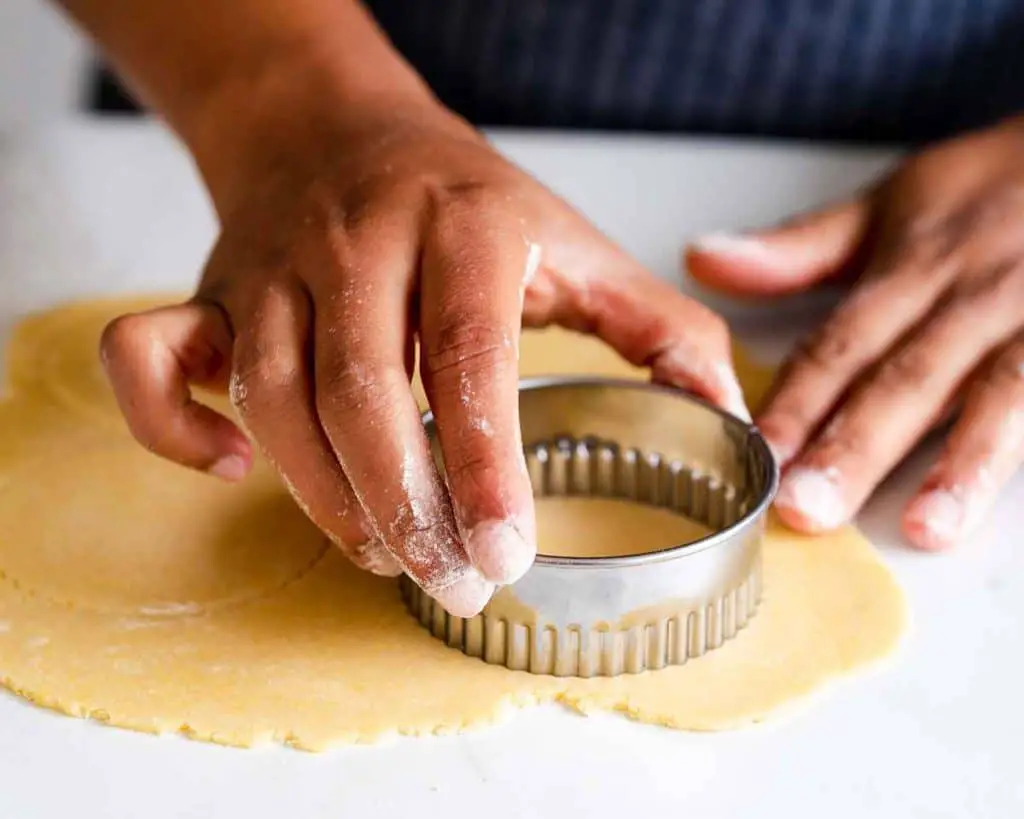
{"type": "Point", "coordinates": [118, 606]}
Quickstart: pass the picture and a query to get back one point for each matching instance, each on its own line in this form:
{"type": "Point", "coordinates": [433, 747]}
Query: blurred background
{"type": "Point", "coordinates": [901, 71]}
{"type": "Point", "coordinates": [47, 69]}
{"type": "Point", "coordinates": [44, 65]}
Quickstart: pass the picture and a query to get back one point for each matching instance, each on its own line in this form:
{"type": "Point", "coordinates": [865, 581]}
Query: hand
{"type": "Point", "coordinates": [933, 325]}
{"type": "Point", "coordinates": [344, 243]}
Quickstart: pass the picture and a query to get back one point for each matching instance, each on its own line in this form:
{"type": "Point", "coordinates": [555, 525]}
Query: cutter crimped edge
{"type": "Point", "coordinates": [594, 468]}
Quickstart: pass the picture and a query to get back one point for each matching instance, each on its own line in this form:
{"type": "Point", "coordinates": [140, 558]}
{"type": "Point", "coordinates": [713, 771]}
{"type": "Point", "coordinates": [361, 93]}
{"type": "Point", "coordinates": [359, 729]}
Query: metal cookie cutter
{"type": "Point", "coordinates": [604, 616]}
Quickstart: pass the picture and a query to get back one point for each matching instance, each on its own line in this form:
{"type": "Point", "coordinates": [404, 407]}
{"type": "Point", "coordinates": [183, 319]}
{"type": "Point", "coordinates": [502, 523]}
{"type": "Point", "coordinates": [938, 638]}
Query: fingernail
{"type": "Point", "coordinates": [732, 393]}
{"type": "Point", "coordinates": [936, 519]}
{"type": "Point", "coordinates": [467, 596]}
{"type": "Point", "coordinates": [682, 365]}
{"type": "Point", "coordinates": [230, 468]}
{"type": "Point", "coordinates": [499, 551]}
{"type": "Point", "coordinates": [738, 247]}
{"type": "Point", "coordinates": [782, 453]}
{"type": "Point", "coordinates": [814, 498]}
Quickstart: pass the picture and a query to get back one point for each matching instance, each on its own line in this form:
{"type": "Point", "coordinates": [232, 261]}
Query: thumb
{"type": "Point", "coordinates": [786, 260]}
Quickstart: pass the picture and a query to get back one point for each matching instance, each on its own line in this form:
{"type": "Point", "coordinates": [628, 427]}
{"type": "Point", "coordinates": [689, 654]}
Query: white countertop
{"type": "Point", "coordinates": [86, 209]}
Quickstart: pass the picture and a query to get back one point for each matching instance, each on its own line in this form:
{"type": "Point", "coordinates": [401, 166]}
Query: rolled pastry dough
{"type": "Point", "coordinates": [606, 527]}
{"type": "Point", "coordinates": [140, 594]}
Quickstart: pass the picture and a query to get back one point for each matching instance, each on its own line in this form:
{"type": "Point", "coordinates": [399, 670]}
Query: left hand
{"type": "Point", "coordinates": [933, 325]}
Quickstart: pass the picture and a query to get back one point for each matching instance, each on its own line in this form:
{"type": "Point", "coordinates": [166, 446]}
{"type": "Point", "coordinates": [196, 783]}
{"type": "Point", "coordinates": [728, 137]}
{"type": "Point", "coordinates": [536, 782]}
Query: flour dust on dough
{"type": "Point", "coordinates": [137, 593]}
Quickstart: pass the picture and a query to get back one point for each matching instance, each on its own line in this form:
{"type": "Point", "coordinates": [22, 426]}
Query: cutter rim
{"type": "Point", "coordinates": [750, 519]}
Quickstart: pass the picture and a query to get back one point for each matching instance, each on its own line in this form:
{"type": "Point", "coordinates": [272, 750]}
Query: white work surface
{"type": "Point", "coordinates": [934, 732]}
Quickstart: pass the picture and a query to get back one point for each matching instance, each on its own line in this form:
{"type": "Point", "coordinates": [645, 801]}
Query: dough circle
{"type": "Point", "coordinates": [128, 595]}
{"type": "Point", "coordinates": [607, 527]}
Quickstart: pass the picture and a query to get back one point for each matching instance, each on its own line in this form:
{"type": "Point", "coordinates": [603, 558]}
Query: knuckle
{"type": "Point", "coordinates": [155, 434]}
{"type": "Point", "coordinates": [480, 491]}
{"type": "Point", "coordinates": [991, 282]}
{"type": "Point", "coordinates": [660, 346]}
{"type": "Point", "coordinates": [348, 388]}
{"type": "Point", "coordinates": [408, 524]}
{"type": "Point", "coordinates": [789, 419]}
{"type": "Point", "coordinates": [119, 336]}
{"type": "Point", "coordinates": [260, 378]}
{"type": "Point", "coordinates": [826, 348]}
{"type": "Point", "coordinates": [784, 419]}
{"type": "Point", "coordinates": [1008, 368]}
{"type": "Point", "coordinates": [473, 471]}
{"type": "Point", "coordinates": [848, 442]}
{"type": "Point", "coordinates": [909, 368]}
{"type": "Point", "coordinates": [461, 347]}
{"type": "Point", "coordinates": [924, 243]}
{"type": "Point", "coordinates": [711, 325]}
{"type": "Point", "coordinates": [938, 243]}
{"type": "Point", "coordinates": [472, 194]}
{"type": "Point", "coordinates": [358, 218]}
{"type": "Point", "coordinates": [484, 201]}
{"type": "Point", "coordinates": [993, 205]}
{"type": "Point", "coordinates": [844, 437]}
{"type": "Point", "coordinates": [359, 211]}
{"type": "Point", "coordinates": [429, 549]}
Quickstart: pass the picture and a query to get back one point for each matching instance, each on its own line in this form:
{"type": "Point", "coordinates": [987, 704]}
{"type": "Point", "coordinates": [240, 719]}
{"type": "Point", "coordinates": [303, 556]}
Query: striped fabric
{"type": "Point", "coordinates": [857, 70]}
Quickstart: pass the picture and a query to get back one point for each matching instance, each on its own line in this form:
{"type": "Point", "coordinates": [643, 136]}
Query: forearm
{"type": "Point", "coordinates": [218, 70]}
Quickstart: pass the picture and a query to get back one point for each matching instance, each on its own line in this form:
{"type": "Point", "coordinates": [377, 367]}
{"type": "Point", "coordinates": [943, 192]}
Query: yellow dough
{"type": "Point", "coordinates": [140, 594]}
{"type": "Point", "coordinates": [604, 527]}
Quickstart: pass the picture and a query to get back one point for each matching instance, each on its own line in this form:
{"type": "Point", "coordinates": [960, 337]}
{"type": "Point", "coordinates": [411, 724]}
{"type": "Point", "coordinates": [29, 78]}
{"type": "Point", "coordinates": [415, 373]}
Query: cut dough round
{"type": "Point", "coordinates": [143, 595]}
{"type": "Point", "coordinates": [609, 527]}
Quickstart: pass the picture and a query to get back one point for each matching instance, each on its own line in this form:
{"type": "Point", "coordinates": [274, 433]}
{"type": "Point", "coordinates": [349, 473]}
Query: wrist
{"type": "Point", "coordinates": [286, 103]}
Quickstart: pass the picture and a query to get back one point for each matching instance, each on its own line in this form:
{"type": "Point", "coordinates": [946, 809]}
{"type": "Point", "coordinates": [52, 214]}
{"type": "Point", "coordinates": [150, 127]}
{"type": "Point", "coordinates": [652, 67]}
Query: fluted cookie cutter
{"type": "Point", "coordinates": [604, 616]}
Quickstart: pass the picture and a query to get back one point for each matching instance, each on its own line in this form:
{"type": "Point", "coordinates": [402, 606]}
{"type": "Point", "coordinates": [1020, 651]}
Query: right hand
{"type": "Point", "coordinates": [345, 241]}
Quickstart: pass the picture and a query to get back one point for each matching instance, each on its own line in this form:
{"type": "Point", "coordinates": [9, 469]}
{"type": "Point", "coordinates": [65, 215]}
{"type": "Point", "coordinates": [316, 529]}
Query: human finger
{"type": "Point", "coordinates": [271, 389]}
{"type": "Point", "coordinates": [151, 359]}
{"type": "Point", "coordinates": [598, 289]}
{"type": "Point", "coordinates": [895, 294]}
{"type": "Point", "coordinates": [898, 402]}
{"type": "Point", "coordinates": [368, 412]}
{"type": "Point", "coordinates": [474, 267]}
{"type": "Point", "coordinates": [793, 257]}
{"type": "Point", "coordinates": [984, 450]}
